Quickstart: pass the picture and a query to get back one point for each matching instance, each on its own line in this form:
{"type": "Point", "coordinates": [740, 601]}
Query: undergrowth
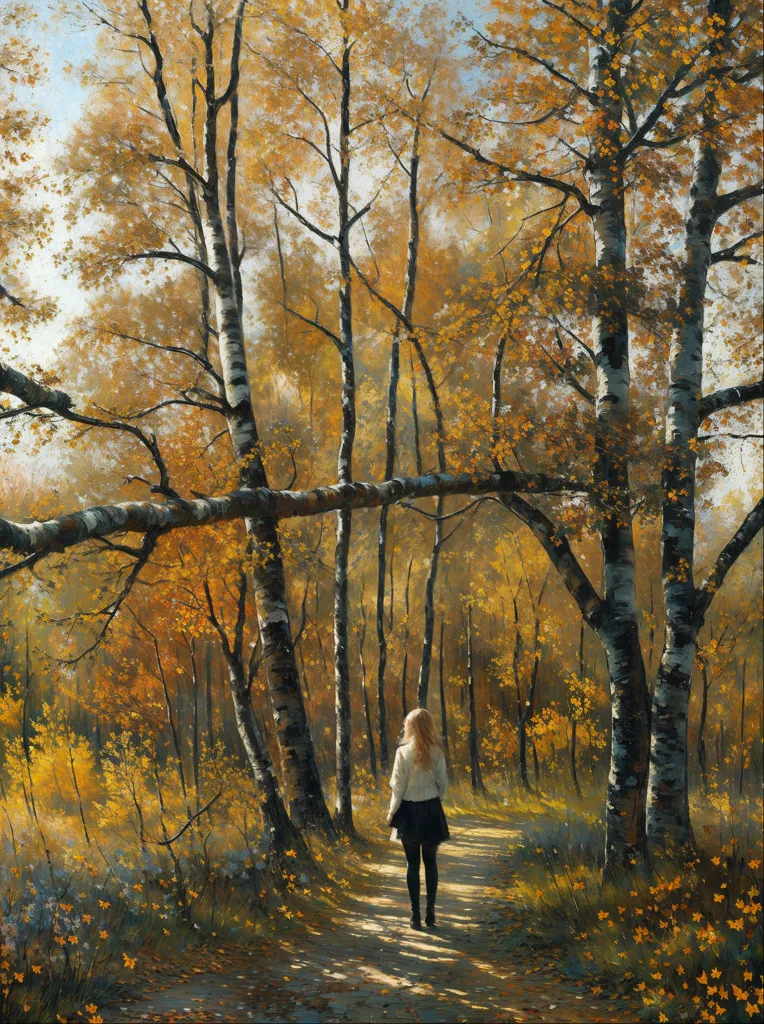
{"type": "Point", "coordinates": [89, 906]}
{"type": "Point", "coordinates": [682, 943]}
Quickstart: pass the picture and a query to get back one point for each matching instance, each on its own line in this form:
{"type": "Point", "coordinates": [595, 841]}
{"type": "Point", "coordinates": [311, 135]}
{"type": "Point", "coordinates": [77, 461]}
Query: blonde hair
{"type": "Point", "coordinates": [419, 729]}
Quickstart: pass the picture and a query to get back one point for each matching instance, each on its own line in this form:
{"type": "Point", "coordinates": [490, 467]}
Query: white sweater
{"type": "Point", "coordinates": [412, 781]}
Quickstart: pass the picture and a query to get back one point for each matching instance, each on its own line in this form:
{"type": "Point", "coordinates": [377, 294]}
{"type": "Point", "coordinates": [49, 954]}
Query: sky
{"type": "Point", "coordinates": [61, 97]}
{"type": "Point", "coordinates": [66, 46]}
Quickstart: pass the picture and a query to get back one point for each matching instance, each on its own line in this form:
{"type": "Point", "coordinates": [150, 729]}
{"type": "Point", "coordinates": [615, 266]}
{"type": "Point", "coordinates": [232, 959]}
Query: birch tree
{"type": "Point", "coordinates": [203, 73]}
{"type": "Point", "coordinates": [332, 129]}
{"type": "Point", "coordinates": [668, 815]}
{"type": "Point", "coordinates": [608, 121]}
{"type": "Point", "coordinates": [544, 330]}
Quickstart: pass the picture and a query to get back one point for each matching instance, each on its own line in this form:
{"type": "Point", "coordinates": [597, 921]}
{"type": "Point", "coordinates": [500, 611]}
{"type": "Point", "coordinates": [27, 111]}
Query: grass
{"type": "Point", "coordinates": [684, 944]}
{"type": "Point", "coordinates": [85, 924]}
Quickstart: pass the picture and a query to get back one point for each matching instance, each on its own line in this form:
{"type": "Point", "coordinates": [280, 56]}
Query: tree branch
{"type": "Point", "coordinates": [728, 556]}
{"type": "Point", "coordinates": [14, 382]}
{"type": "Point", "coordinates": [728, 200]}
{"type": "Point", "coordinates": [727, 398]}
{"type": "Point", "coordinates": [524, 176]}
{"type": "Point", "coordinates": [730, 253]}
{"type": "Point", "coordinates": [304, 220]}
{"type": "Point", "coordinates": [139, 517]}
{"type": "Point", "coordinates": [640, 135]}
{"type": "Point", "coordinates": [314, 323]}
{"type": "Point", "coordinates": [561, 556]}
{"type": "Point", "coordinates": [188, 824]}
{"type": "Point", "coordinates": [147, 549]}
{"type": "Point", "coordinates": [169, 254]}
{"type": "Point", "coordinates": [36, 396]}
{"type": "Point", "coordinates": [546, 64]}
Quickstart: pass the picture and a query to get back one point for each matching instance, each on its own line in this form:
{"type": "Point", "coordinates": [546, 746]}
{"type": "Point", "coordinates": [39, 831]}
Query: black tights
{"type": "Point", "coordinates": [429, 853]}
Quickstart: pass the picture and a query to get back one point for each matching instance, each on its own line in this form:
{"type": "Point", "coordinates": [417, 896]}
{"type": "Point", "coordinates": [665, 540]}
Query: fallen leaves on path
{"type": "Point", "coordinates": [359, 961]}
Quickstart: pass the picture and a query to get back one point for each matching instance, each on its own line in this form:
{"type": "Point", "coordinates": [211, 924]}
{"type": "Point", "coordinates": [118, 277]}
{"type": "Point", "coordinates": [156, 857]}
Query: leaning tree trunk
{"type": "Point", "coordinates": [307, 804]}
{"type": "Point", "coordinates": [625, 840]}
{"type": "Point", "coordinates": [437, 541]}
{"type": "Point", "coordinates": [702, 759]}
{"type": "Point", "coordinates": [407, 308]}
{"type": "Point", "coordinates": [476, 777]}
{"type": "Point", "coordinates": [343, 811]}
{"type": "Point", "coordinates": [281, 833]}
{"type": "Point", "coordinates": [522, 740]}
{"type": "Point", "coordinates": [443, 708]}
{"type": "Point", "coordinates": [668, 807]}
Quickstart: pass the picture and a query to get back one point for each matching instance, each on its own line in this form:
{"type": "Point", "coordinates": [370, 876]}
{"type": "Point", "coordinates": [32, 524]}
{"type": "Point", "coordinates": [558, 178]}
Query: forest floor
{"type": "Point", "coordinates": [359, 961]}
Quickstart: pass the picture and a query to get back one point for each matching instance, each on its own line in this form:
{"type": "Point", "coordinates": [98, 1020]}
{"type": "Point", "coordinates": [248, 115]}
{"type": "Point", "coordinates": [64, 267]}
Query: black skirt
{"type": "Point", "coordinates": [421, 821]}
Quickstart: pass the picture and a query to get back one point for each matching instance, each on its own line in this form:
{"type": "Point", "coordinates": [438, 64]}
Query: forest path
{"type": "Point", "coordinates": [362, 962]}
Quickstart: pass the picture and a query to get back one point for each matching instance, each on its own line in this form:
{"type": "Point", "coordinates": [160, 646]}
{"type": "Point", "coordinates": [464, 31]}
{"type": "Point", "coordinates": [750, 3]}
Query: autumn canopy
{"type": "Point", "coordinates": [396, 361]}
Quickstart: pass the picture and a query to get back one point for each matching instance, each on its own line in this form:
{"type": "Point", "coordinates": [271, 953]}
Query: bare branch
{"type": "Point", "coordinates": [36, 395]}
{"type": "Point", "coordinates": [139, 517]}
{"type": "Point", "coordinates": [727, 398]}
{"type": "Point", "coordinates": [728, 556]}
{"type": "Point", "coordinates": [147, 548]}
{"type": "Point", "coordinates": [524, 176]}
{"type": "Point", "coordinates": [730, 253]}
{"type": "Point", "coordinates": [540, 61]}
{"type": "Point", "coordinates": [212, 616]}
{"type": "Point", "coordinates": [562, 9]}
{"type": "Point", "coordinates": [169, 254]}
{"type": "Point", "coordinates": [728, 200]}
{"type": "Point", "coordinates": [188, 824]}
{"type": "Point", "coordinates": [26, 563]}
{"type": "Point", "coordinates": [565, 371]}
{"type": "Point", "coordinates": [314, 323]}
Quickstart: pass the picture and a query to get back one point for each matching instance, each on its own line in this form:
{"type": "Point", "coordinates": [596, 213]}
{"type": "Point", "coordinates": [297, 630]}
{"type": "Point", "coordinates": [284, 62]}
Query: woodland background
{"type": "Point", "coordinates": [301, 245]}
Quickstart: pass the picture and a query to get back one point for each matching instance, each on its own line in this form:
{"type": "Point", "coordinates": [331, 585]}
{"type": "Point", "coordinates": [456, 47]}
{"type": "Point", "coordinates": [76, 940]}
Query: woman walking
{"type": "Point", "coordinates": [419, 783]}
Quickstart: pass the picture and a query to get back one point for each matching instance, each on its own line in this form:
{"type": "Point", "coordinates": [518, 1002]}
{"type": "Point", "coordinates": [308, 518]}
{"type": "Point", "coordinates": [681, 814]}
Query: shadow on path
{"type": "Point", "coordinates": [366, 964]}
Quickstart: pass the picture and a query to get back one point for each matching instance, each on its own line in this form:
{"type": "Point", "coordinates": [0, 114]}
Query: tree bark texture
{"type": "Point", "coordinates": [443, 707]}
{"type": "Point", "coordinates": [668, 806]}
{"type": "Point", "coordinates": [625, 837]}
{"type": "Point", "coordinates": [476, 777]}
{"type": "Point", "coordinates": [407, 307]}
{"type": "Point", "coordinates": [261, 505]}
{"type": "Point", "coordinates": [343, 811]}
{"type": "Point", "coordinates": [298, 755]}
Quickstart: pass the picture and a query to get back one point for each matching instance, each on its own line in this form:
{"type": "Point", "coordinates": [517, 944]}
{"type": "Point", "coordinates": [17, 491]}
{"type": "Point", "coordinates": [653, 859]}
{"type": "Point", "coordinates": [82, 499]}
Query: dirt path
{"type": "Point", "coordinates": [363, 962]}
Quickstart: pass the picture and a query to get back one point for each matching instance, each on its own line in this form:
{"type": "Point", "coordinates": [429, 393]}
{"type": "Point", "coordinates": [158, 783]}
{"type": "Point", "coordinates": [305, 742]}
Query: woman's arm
{"type": "Point", "coordinates": [398, 782]}
{"type": "Point", "coordinates": [441, 775]}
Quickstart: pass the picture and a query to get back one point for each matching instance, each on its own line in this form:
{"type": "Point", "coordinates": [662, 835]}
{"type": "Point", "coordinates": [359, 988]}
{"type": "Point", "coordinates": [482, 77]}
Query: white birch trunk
{"type": "Point", "coordinates": [625, 808]}
{"type": "Point", "coordinates": [307, 804]}
{"type": "Point", "coordinates": [668, 811]}
{"type": "Point", "coordinates": [344, 802]}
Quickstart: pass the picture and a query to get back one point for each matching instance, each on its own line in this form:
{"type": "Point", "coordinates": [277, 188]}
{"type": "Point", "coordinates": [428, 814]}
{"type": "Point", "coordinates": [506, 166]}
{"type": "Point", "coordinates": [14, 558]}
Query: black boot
{"type": "Point", "coordinates": [416, 917]}
{"type": "Point", "coordinates": [429, 917]}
